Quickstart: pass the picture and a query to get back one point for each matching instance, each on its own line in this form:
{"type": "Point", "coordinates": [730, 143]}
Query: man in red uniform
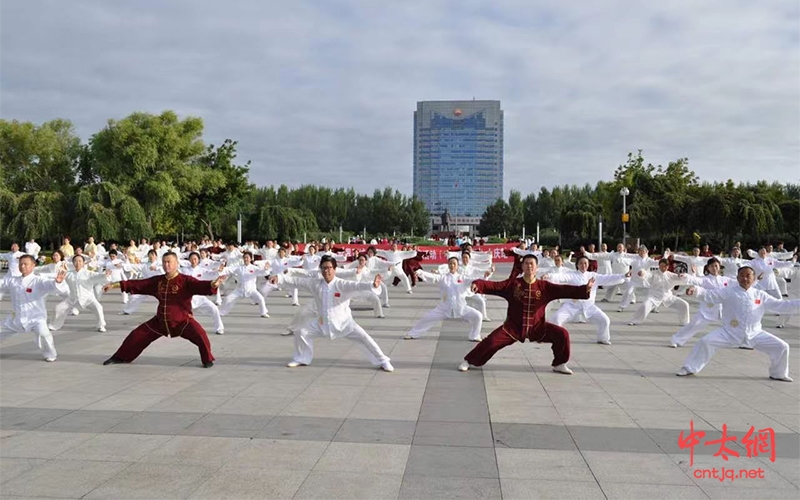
{"type": "Point", "coordinates": [527, 299]}
{"type": "Point", "coordinates": [173, 318]}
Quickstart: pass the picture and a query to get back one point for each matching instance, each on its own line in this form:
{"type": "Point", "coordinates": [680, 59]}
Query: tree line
{"type": "Point", "coordinates": [668, 206]}
{"type": "Point", "coordinates": [149, 175]}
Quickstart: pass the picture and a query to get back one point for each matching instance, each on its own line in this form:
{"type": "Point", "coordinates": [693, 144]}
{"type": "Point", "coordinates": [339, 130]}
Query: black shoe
{"type": "Point", "coordinates": [208, 364]}
{"type": "Point", "coordinates": [112, 361]}
{"type": "Point", "coordinates": [745, 347]}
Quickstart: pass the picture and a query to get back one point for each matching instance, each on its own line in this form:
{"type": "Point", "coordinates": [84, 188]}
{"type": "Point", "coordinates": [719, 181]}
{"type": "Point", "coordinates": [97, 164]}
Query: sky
{"type": "Point", "coordinates": [323, 92]}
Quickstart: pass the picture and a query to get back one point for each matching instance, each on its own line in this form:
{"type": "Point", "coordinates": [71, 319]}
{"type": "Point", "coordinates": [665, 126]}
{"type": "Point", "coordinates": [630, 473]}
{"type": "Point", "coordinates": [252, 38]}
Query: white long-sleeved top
{"type": "Point", "coordinates": [785, 255]}
{"type": "Point", "coordinates": [476, 258]}
{"type": "Point", "coordinates": [246, 275]}
{"type": "Point", "coordinates": [742, 309]}
{"type": "Point", "coordinates": [32, 248]}
{"type": "Point", "coordinates": [13, 262]}
{"type": "Point", "coordinates": [396, 257]}
{"type": "Point", "coordinates": [81, 285]}
{"type": "Point", "coordinates": [27, 295]}
{"type": "Point", "coordinates": [147, 269]}
{"type": "Point", "coordinates": [332, 301]}
{"type": "Point", "coordinates": [709, 310]}
{"type": "Point", "coordinates": [579, 278]}
{"type": "Point", "coordinates": [279, 265]}
{"type": "Point", "coordinates": [453, 288]}
{"type": "Point", "coordinates": [201, 273]}
{"type": "Point", "coordinates": [660, 286]}
{"type": "Point", "coordinates": [50, 270]}
{"type": "Point", "coordinates": [690, 260]}
{"type": "Point", "coordinates": [731, 265]}
{"type": "Point", "coordinates": [117, 268]}
{"type": "Point", "coordinates": [766, 269]}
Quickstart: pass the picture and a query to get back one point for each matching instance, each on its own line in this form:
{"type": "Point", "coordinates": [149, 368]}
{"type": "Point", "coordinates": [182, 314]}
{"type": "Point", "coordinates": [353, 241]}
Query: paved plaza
{"type": "Point", "coordinates": [164, 427]}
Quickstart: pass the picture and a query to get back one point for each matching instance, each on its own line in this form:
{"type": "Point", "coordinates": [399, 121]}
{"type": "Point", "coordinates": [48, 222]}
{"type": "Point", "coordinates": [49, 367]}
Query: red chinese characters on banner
{"type": "Point", "coordinates": [761, 443]}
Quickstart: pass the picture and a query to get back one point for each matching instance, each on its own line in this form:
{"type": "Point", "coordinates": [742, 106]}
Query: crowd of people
{"type": "Point", "coordinates": [733, 290]}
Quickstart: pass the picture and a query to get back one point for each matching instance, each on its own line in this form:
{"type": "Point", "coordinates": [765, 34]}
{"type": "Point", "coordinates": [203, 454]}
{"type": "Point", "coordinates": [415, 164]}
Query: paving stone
{"type": "Point", "coordinates": [355, 430]}
{"type": "Point", "coordinates": [453, 434]}
{"type": "Point", "coordinates": [416, 487]}
{"type": "Point", "coordinates": [305, 428]}
{"type": "Point", "coordinates": [449, 461]}
{"type": "Point", "coordinates": [63, 478]}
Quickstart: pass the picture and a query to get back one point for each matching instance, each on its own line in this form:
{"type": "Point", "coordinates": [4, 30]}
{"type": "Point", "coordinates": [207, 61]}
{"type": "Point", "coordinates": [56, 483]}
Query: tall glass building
{"type": "Point", "coordinates": [458, 156]}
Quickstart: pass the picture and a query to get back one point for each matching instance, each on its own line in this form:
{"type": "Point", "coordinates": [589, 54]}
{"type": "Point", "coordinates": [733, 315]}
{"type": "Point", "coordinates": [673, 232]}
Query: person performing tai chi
{"type": "Point", "coordinates": [393, 264]}
{"type": "Point", "coordinates": [146, 270]}
{"type": "Point", "coordinates": [29, 311]}
{"type": "Point", "coordinates": [659, 285]}
{"type": "Point", "coordinates": [574, 310]}
{"type": "Point", "coordinates": [173, 318]}
{"type": "Point", "coordinates": [527, 299]}
{"type": "Point", "coordinates": [333, 319]}
{"type": "Point", "coordinates": [709, 312]}
{"type": "Point", "coordinates": [453, 287]}
{"type": "Point", "coordinates": [246, 274]}
{"type": "Point", "coordinates": [743, 306]}
{"type": "Point", "coordinates": [201, 304]}
{"type": "Point", "coordinates": [81, 284]}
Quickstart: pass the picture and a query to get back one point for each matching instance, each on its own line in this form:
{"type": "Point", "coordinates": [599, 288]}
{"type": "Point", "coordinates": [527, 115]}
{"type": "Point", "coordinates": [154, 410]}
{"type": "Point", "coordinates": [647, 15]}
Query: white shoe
{"type": "Point", "coordinates": [381, 316]}
{"type": "Point", "coordinates": [75, 312]}
{"type": "Point", "coordinates": [621, 309]}
{"type": "Point", "coordinates": [486, 319]}
{"type": "Point", "coordinates": [49, 360]}
{"type": "Point", "coordinates": [782, 379]}
{"type": "Point", "coordinates": [385, 305]}
{"type": "Point", "coordinates": [287, 333]}
{"type": "Point", "coordinates": [218, 303]}
{"type": "Point", "coordinates": [410, 292]}
{"type": "Point", "coordinates": [684, 372]}
{"type": "Point", "coordinates": [562, 368]}
{"type": "Point", "coordinates": [409, 337]}
{"type": "Point", "coordinates": [221, 331]}
{"type": "Point", "coordinates": [288, 295]}
{"type": "Point", "coordinates": [779, 326]}
{"type": "Point", "coordinates": [102, 329]}
{"type": "Point", "coordinates": [387, 367]}
{"type": "Point", "coordinates": [123, 313]}
{"type": "Point", "coordinates": [296, 304]}
{"type": "Point", "coordinates": [294, 364]}
{"type": "Point", "coordinates": [464, 366]}
{"type": "Point", "coordinates": [265, 315]}
{"type": "Point", "coordinates": [604, 342]}
{"type": "Point", "coordinates": [476, 339]}
{"type": "Point", "coordinates": [672, 344]}
{"type": "Point", "coordinates": [52, 328]}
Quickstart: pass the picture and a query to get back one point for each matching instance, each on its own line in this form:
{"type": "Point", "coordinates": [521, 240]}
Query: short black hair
{"type": "Point", "coordinates": [77, 256]}
{"type": "Point", "coordinates": [26, 256]}
{"type": "Point", "coordinates": [455, 258]}
{"type": "Point", "coordinates": [663, 261]}
{"type": "Point", "coordinates": [193, 253]}
{"type": "Point", "coordinates": [168, 254]}
{"type": "Point", "coordinates": [530, 256]}
{"type": "Point", "coordinates": [113, 251]}
{"type": "Point", "coordinates": [327, 258]}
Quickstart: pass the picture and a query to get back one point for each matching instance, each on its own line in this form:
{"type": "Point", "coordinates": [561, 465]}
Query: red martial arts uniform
{"type": "Point", "coordinates": [173, 317]}
{"type": "Point", "coordinates": [525, 317]}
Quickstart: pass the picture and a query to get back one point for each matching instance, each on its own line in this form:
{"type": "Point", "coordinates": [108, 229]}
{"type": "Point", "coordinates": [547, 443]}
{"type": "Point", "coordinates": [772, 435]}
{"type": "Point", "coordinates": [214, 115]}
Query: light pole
{"type": "Point", "coordinates": [624, 192]}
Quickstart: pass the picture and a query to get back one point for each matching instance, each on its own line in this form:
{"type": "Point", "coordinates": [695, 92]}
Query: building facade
{"type": "Point", "coordinates": [458, 156]}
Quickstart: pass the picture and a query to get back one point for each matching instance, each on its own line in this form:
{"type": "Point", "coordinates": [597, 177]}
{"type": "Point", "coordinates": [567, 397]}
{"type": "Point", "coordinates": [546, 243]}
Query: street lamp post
{"type": "Point", "coordinates": [624, 192]}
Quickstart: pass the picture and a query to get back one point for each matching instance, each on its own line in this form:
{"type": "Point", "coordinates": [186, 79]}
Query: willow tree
{"type": "Point", "coordinates": [106, 212]}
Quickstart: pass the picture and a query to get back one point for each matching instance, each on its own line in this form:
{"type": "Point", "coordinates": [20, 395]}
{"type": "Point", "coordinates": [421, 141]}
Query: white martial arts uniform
{"type": "Point", "coordinates": [611, 263]}
{"type": "Point", "coordinates": [731, 265]}
{"type": "Point", "coordinates": [29, 311]}
{"type": "Point", "coordinates": [698, 263]}
{"type": "Point", "coordinates": [81, 294]}
{"type": "Point", "coordinates": [708, 312]}
{"type": "Point", "coordinates": [575, 309]}
{"type": "Point", "coordinates": [742, 311]}
{"type": "Point", "coordinates": [333, 317]}
{"type": "Point", "coordinates": [246, 275]}
{"type": "Point", "coordinates": [32, 248]}
{"type": "Point", "coordinates": [659, 291]}
{"type": "Point", "coordinates": [637, 264]}
{"type": "Point", "coordinates": [280, 266]}
{"type": "Point", "coordinates": [364, 275]}
{"type": "Point", "coordinates": [201, 303]}
{"type": "Point", "coordinates": [13, 262]}
{"type": "Point", "coordinates": [765, 273]}
{"type": "Point", "coordinates": [453, 288]}
{"type": "Point", "coordinates": [393, 265]}
{"type": "Point", "coordinates": [117, 268]}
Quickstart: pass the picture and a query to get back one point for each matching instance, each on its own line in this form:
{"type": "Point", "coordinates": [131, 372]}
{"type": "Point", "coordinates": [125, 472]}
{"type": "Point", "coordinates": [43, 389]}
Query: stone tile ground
{"type": "Point", "coordinates": [163, 427]}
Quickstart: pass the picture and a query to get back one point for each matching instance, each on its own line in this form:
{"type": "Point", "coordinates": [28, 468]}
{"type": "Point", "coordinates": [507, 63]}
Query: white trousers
{"type": "Point", "coordinates": [237, 294]}
{"type": "Point", "coordinates": [44, 339]}
{"type": "Point", "coordinates": [203, 305]}
{"type": "Point", "coordinates": [303, 316]}
{"type": "Point", "coordinates": [690, 330]}
{"type": "Point", "coordinates": [680, 306]}
{"type": "Point", "coordinates": [136, 300]}
{"type": "Point", "coordinates": [65, 306]}
{"type": "Point", "coordinates": [397, 272]}
{"type": "Point", "coordinates": [373, 300]}
{"type": "Point", "coordinates": [304, 343]}
{"type": "Point", "coordinates": [570, 312]}
{"type": "Point", "coordinates": [611, 291]}
{"type": "Point", "coordinates": [479, 302]}
{"type": "Point", "coordinates": [442, 312]}
{"type": "Point", "coordinates": [629, 294]}
{"type": "Point", "coordinates": [775, 348]}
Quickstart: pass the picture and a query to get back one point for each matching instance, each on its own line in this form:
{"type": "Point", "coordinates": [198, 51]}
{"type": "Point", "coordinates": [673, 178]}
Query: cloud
{"type": "Point", "coordinates": [324, 92]}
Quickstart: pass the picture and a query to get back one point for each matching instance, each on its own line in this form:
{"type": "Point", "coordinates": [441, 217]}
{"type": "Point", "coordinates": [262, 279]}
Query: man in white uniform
{"type": "Point", "coordinates": [743, 307]}
{"type": "Point", "coordinates": [334, 318]}
{"type": "Point", "coordinates": [28, 292]}
{"type": "Point", "coordinates": [246, 274]}
{"type": "Point", "coordinates": [81, 283]}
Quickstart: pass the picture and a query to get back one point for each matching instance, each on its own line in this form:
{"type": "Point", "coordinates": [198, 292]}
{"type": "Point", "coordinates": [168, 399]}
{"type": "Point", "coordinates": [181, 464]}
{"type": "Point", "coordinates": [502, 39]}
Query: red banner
{"type": "Point", "coordinates": [435, 254]}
